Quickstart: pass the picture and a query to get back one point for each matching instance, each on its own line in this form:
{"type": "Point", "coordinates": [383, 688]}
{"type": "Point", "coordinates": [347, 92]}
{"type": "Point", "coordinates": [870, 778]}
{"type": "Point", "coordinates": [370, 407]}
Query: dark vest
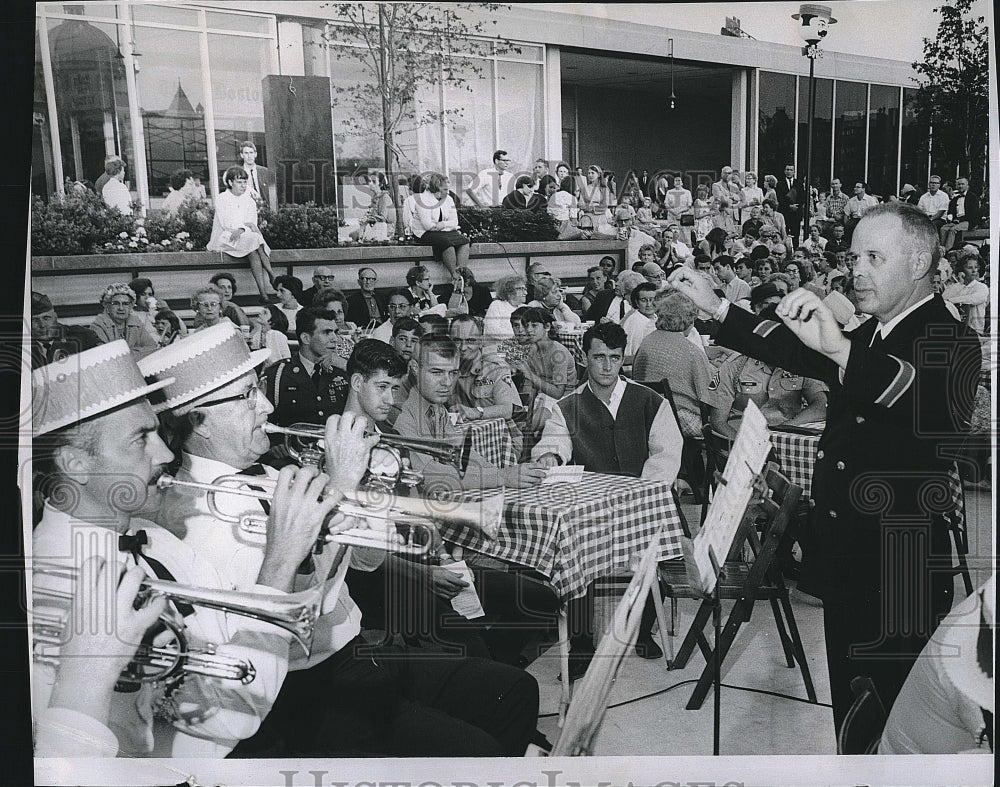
{"type": "Point", "coordinates": [605, 445]}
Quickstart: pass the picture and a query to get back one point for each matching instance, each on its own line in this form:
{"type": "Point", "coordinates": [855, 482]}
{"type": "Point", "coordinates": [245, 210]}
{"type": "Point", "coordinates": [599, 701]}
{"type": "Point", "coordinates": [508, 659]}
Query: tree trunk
{"type": "Point", "coordinates": [387, 136]}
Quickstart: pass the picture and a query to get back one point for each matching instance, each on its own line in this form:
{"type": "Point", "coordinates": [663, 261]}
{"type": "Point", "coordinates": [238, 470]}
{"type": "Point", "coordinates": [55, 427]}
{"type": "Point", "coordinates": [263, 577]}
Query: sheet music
{"type": "Point", "coordinates": [750, 449]}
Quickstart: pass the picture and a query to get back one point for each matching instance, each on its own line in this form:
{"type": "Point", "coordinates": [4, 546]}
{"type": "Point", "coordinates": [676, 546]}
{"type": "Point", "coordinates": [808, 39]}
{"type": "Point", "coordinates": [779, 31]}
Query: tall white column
{"type": "Point", "coordinates": [553, 104]}
{"type": "Point", "coordinates": [738, 138]}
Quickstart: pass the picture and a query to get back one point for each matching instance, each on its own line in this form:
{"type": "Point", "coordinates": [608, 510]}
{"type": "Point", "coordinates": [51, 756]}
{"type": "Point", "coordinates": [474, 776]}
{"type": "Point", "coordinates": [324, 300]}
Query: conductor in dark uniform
{"type": "Point", "coordinates": [300, 389]}
{"type": "Point", "coordinates": [877, 549]}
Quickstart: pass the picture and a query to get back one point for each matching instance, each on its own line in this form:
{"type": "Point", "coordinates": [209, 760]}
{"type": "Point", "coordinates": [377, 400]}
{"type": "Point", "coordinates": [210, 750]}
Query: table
{"type": "Point", "coordinates": [796, 454]}
{"type": "Point", "coordinates": [576, 533]}
{"type": "Point", "coordinates": [491, 439]}
{"type": "Point", "coordinates": [572, 340]}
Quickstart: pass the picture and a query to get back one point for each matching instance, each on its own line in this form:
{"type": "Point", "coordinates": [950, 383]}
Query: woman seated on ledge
{"type": "Point", "coordinates": [433, 218]}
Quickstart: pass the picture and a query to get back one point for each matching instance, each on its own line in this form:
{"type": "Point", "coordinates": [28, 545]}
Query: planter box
{"type": "Point", "coordinates": [75, 283]}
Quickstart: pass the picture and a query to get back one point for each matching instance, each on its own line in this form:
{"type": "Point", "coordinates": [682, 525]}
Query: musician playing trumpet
{"type": "Point", "coordinates": [340, 699]}
{"type": "Point", "coordinates": [98, 458]}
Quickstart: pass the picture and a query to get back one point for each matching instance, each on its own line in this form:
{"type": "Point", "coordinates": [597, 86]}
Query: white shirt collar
{"type": "Point", "coordinates": [307, 364]}
{"type": "Point", "coordinates": [616, 397]}
{"type": "Point", "coordinates": [201, 467]}
{"type": "Point", "coordinates": [886, 328]}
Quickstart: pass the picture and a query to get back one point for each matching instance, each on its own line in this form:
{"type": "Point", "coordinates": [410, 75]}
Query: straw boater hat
{"type": "Point", "coordinates": [85, 385]}
{"type": "Point", "coordinates": [966, 637]}
{"type": "Point", "coordinates": [198, 364]}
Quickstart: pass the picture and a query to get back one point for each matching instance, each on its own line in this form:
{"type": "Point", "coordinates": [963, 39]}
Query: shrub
{"type": "Point", "coordinates": [77, 223]}
{"type": "Point", "coordinates": [196, 219]}
{"type": "Point", "coordinates": [295, 226]}
{"type": "Point", "coordinates": [498, 225]}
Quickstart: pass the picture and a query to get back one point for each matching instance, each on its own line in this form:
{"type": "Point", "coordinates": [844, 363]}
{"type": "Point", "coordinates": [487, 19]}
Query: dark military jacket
{"type": "Point", "coordinates": [297, 399]}
{"type": "Point", "coordinates": [879, 490]}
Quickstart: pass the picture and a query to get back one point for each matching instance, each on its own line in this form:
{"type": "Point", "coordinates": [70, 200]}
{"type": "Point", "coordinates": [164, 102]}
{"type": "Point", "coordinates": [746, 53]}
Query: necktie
{"type": "Point", "coordinates": [621, 309]}
{"type": "Point", "coordinates": [257, 469]}
{"type": "Point", "coordinates": [253, 179]}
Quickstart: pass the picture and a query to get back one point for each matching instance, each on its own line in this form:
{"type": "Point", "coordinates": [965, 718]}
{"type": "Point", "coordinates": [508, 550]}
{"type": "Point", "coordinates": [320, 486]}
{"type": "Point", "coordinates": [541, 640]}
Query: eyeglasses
{"type": "Point", "coordinates": [206, 304]}
{"type": "Point", "coordinates": [250, 396]}
{"type": "Point", "coordinates": [121, 303]}
{"type": "Point", "coordinates": [324, 276]}
{"type": "Point", "coordinates": [368, 278]}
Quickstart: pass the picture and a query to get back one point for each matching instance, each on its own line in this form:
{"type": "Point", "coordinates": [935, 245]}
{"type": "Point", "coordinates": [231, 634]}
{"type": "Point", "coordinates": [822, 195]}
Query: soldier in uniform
{"type": "Point", "coordinates": [51, 340]}
{"type": "Point", "coordinates": [902, 387]}
{"type": "Point", "coordinates": [300, 389]}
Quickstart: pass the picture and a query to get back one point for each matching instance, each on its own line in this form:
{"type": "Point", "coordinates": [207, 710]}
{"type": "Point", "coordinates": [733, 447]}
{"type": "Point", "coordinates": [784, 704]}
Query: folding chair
{"type": "Point", "coordinates": [590, 699]}
{"type": "Point", "coordinates": [717, 449]}
{"type": "Point", "coordinates": [862, 728]}
{"type": "Point", "coordinates": [745, 582]}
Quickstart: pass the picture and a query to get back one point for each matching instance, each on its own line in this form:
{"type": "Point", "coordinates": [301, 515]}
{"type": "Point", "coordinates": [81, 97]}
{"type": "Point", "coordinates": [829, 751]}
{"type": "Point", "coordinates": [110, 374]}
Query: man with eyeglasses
{"type": "Point", "coordinates": [493, 184]}
{"type": "Point", "coordinates": [343, 698]}
{"type": "Point", "coordinates": [398, 306]}
{"type": "Point", "coordinates": [366, 306]}
{"type": "Point", "coordinates": [118, 321]}
{"type": "Point", "coordinates": [934, 202]}
{"type": "Point", "coordinates": [322, 279]}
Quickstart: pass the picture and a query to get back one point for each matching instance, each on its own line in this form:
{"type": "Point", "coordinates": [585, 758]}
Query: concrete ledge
{"type": "Point", "coordinates": [74, 283]}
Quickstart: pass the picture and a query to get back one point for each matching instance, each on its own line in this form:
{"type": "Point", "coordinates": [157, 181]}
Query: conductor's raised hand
{"type": "Point", "coordinates": [347, 451]}
{"type": "Point", "coordinates": [696, 286]}
{"type": "Point", "coordinates": [814, 324]}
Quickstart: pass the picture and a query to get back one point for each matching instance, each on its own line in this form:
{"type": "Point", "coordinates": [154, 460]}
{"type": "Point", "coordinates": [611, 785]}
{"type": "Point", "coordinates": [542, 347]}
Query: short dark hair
{"type": "Point", "coordinates": [536, 315]}
{"type": "Point", "coordinates": [326, 294]}
{"type": "Point", "coordinates": [217, 277]}
{"type": "Point", "coordinates": [434, 323]}
{"type": "Point", "coordinates": [291, 283]}
{"type": "Point", "coordinates": [518, 314]}
{"type": "Point", "coordinates": [248, 144]}
{"type": "Point", "coordinates": [415, 274]}
{"type": "Point", "coordinates": [700, 258]}
{"type": "Point", "coordinates": [372, 355]}
{"type": "Point", "coordinates": [724, 260]}
{"type": "Point", "coordinates": [179, 178]}
{"type": "Point", "coordinates": [139, 285]}
{"type": "Point", "coordinates": [169, 316]}
{"type": "Point", "coordinates": [279, 322]}
{"type": "Point", "coordinates": [640, 288]}
{"type": "Point", "coordinates": [611, 333]}
{"type": "Point", "coordinates": [305, 319]}
{"type": "Point", "coordinates": [436, 343]}
{"type": "Point", "coordinates": [234, 173]}
{"type": "Point", "coordinates": [458, 319]}
{"type": "Point", "coordinates": [498, 154]}
{"type": "Point", "coordinates": [407, 324]}
{"type": "Point", "coordinates": [523, 180]}
{"type": "Point", "coordinates": [402, 292]}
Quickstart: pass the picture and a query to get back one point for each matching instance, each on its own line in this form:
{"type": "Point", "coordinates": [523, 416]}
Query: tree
{"type": "Point", "coordinates": [953, 93]}
{"type": "Point", "coordinates": [404, 49]}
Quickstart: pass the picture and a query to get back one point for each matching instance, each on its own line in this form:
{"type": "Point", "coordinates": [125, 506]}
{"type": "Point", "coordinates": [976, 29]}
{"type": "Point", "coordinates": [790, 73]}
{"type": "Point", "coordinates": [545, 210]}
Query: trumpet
{"type": "Point", "coordinates": [417, 513]}
{"type": "Point", "coordinates": [305, 444]}
{"type": "Point", "coordinates": [296, 613]}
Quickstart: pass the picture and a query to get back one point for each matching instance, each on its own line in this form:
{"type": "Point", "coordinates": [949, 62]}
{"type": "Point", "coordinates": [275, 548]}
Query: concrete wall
{"type": "Point", "coordinates": [621, 130]}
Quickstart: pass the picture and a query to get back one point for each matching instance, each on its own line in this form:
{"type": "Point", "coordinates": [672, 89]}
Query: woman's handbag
{"type": "Point", "coordinates": [687, 219]}
{"type": "Point", "coordinates": [585, 221]}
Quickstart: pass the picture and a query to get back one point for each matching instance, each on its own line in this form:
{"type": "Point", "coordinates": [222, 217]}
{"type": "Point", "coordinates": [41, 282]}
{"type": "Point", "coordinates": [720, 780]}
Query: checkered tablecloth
{"type": "Point", "coordinates": [576, 533]}
{"type": "Point", "coordinates": [797, 455]}
{"type": "Point", "coordinates": [491, 438]}
{"type": "Point", "coordinates": [572, 340]}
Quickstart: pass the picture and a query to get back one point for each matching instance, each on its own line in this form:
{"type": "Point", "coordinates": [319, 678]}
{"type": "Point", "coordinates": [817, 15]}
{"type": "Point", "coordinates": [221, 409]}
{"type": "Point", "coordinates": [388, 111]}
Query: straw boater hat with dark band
{"type": "Point", "coordinates": [199, 364]}
{"type": "Point", "coordinates": [85, 385]}
{"type": "Point", "coordinates": [967, 637]}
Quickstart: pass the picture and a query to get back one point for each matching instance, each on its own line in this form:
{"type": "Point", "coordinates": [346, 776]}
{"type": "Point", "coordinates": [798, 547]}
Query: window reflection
{"type": "Point", "coordinates": [883, 140]}
{"type": "Point", "coordinates": [915, 138]}
{"type": "Point", "coordinates": [822, 122]}
{"type": "Point", "coordinates": [849, 145]}
{"type": "Point", "coordinates": [776, 122]}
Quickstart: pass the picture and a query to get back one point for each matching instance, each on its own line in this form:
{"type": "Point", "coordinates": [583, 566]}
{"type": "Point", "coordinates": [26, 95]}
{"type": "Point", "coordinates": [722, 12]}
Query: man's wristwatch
{"type": "Point", "coordinates": [482, 412]}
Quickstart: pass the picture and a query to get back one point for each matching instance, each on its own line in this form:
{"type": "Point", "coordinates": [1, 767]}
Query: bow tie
{"type": "Point", "coordinates": [133, 543]}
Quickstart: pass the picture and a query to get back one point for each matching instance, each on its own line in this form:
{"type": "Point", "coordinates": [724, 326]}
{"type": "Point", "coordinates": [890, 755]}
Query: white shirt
{"type": "Point", "coordinates": [492, 186]}
{"type": "Point", "coordinates": [383, 332]}
{"type": "Point", "coordinates": [117, 196]}
{"type": "Point", "coordinates": [637, 327]}
{"type": "Point", "coordinates": [663, 441]}
{"type": "Point", "coordinates": [886, 328]}
{"type": "Point", "coordinates": [559, 205]}
{"type": "Point", "coordinates": [974, 295]}
{"type": "Point", "coordinates": [931, 204]}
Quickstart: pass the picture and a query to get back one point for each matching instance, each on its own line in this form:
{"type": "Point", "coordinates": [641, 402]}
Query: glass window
{"type": "Point", "coordinates": [883, 140]}
{"type": "Point", "coordinates": [915, 139]}
{"type": "Point", "coordinates": [91, 97]}
{"type": "Point", "coordinates": [519, 108]}
{"type": "Point", "coordinates": [102, 10]}
{"type": "Point", "coordinates": [171, 101]}
{"type": "Point", "coordinates": [822, 122]}
{"type": "Point", "coordinates": [355, 148]}
{"type": "Point", "coordinates": [528, 52]}
{"type": "Point", "coordinates": [849, 143]}
{"type": "Point", "coordinates": [242, 23]}
{"type": "Point", "coordinates": [165, 15]}
{"type": "Point", "coordinates": [470, 131]}
{"type": "Point", "coordinates": [43, 175]}
{"type": "Point", "coordinates": [238, 66]}
{"type": "Point", "coordinates": [776, 123]}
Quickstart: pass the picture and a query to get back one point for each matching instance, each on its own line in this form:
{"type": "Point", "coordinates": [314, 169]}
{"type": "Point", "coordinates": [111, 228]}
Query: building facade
{"type": "Point", "coordinates": [169, 86]}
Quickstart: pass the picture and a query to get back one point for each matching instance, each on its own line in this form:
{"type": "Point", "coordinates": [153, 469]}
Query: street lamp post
{"type": "Point", "coordinates": [814, 24]}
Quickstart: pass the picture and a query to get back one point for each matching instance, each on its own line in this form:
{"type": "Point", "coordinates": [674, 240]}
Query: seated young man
{"type": "Point", "coordinates": [611, 425]}
{"type": "Point", "coordinates": [413, 597]}
{"type": "Point", "coordinates": [405, 332]}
